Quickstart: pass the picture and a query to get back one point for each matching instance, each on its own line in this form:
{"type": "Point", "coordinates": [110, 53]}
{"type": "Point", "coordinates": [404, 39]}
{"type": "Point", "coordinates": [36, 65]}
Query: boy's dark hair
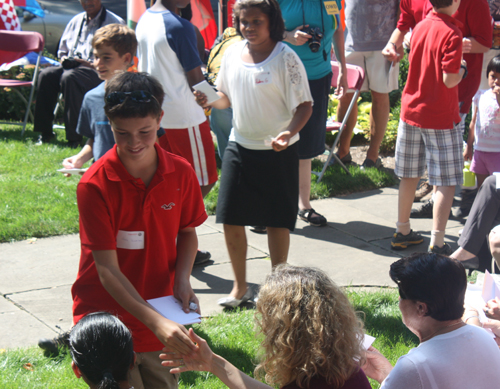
{"type": "Point", "coordinates": [269, 7]}
{"type": "Point", "coordinates": [441, 3]}
{"type": "Point", "coordinates": [124, 105]}
{"type": "Point", "coordinates": [121, 38]}
{"type": "Point", "coordinates": [101, 347]}
{"type": "Point", "coordinates": [493, 66]}
{"type": "Point", "coordinates": [436, 280]}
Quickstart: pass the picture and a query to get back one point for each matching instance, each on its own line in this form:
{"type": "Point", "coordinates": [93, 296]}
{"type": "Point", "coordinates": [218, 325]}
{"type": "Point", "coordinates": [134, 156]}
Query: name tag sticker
{"type": "Point", "coordinates": [263, 78]}
{"type": "Point", "coordinates": [331, 7]}
{"type": "Point", "coordinates": [130, 240]}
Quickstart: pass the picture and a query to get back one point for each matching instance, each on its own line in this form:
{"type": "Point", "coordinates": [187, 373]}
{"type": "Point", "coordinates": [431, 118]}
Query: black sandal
{"type": "Point", "coordinates": [317, 221]}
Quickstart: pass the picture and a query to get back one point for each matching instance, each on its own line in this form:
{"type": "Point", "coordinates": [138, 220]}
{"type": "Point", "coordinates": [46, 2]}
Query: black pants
{"type": "Point", "coordinates": [483, 216]}
{"type": "Point", "coordinates": [73, 83]}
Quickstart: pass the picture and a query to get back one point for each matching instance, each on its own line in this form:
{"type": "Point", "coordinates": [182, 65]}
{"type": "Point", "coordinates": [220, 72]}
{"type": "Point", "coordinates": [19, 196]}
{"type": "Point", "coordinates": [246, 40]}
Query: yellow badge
{"type": "Point", "coordinates": [331, 7]}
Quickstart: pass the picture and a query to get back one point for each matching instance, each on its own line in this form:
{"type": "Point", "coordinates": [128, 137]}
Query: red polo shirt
{"type": "Point", "coordinates": [436, 48]}
{"type": "Point", "coordinates": [412, 12]}
{"type": "Point", "coordinates": [110, 200]}
{"type": "Point", "coordinates": [476, 23]}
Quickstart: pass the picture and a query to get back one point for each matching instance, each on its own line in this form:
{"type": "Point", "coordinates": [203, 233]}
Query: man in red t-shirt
{"type": "Point", "coordinates": [428, 132]}
{"type": "Point", "coordinates": [139, 207]}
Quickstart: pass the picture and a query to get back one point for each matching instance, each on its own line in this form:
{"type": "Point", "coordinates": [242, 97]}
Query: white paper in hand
{"type": "Point", "coordinates": [209, 91]}
{"type": "Point", "coordinates": [171, 308]}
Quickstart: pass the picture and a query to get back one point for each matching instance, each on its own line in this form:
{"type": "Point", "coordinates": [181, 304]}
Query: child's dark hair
{"type": "Point", "coordinates": [121, 99]}
{"type": "Point", "coordinates": [493, 66]}
{"type": "Point", "coordinates": [441, 3]}
{"type": "Point", "coordinates": [121, 38]}
{"type": "Point", "coordinates": [101, 347]}
{"type": "Point", "coordinates": [269, 7]}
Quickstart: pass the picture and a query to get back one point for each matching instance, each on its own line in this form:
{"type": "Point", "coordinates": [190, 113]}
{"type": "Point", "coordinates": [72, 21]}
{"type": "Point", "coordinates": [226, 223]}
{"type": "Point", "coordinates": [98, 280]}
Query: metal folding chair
{"type": "Point", "coordinates": [16, 44]}
{"type": "Point", "coordinates": [355, 78]}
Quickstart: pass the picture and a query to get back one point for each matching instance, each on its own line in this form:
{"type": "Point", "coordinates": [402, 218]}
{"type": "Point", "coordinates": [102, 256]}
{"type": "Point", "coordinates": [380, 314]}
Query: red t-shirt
{"type": "Point", "coordinates": [412, 12]}
{"type": "Point", "coordinates": [476, 23]}
{"type": "Point", "coordinates": [436, 48]}
{"type": "Point", "coordinates": [111, 202]}
{"type": "Point", "coordinates": [356, 381]}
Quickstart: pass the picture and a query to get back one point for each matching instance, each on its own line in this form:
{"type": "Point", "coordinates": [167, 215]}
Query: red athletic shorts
{"type": "Point", "coordinates": [196, 145]}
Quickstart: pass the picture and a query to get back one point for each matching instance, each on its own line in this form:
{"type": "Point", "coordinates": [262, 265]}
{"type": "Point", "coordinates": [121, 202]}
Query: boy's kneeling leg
{"type": "Point", "coordinates": [148, 373]}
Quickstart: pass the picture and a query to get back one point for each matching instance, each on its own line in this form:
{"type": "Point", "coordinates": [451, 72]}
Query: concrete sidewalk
{"type": "Point", "coordinates": [354, 249]}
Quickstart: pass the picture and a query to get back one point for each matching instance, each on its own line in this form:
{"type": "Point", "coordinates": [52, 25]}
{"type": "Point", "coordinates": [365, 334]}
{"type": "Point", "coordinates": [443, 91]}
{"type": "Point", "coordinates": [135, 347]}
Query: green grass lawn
{"type": "Point", "coordinates": [37, 201]}
{"type": "Point", "coordinates": [231, 335]}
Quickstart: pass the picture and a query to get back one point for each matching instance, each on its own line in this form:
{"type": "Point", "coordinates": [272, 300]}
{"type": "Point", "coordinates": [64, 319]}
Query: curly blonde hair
{"type": "Point", "coordinates": [310, 328]}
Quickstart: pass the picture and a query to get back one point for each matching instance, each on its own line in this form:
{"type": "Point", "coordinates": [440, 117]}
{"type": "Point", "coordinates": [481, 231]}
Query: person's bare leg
{"type": "Point", "coordinates": [379, 116]}
{"type": "Point", "coordinates": [304, 183]}
{"type": "Point", "coordinates": [406, 194]}
{"type": "Point", "coordinates": [480, 179]}
{"type": "Point", "coordinates": [344, 144]}
{"type": "Point", "coordinates": [236, 242]}
{"type": "Point", "coordinates": [278, 240]}
{"type": "Point", "coordinates": [442, 206]}
{"type": "Point", "coordinates": [206, 189]}
{"type": "Point", "coordinates": [462, 254]}
{"type": "Point", "coordinates": [494, 239]}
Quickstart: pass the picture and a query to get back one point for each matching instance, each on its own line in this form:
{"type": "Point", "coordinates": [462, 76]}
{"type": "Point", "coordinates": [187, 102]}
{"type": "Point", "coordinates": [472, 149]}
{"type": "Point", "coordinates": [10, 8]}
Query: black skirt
{"type": "Point", "coordinates": [259, 187]}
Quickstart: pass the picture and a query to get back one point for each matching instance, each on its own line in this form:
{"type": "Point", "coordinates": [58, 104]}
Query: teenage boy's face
{"type": "Point", "coordinates": [108, 62]}
{"type": "Point", "coordinates": [135, 137]}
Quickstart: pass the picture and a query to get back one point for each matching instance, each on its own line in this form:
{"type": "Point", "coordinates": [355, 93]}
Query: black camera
{"type": "Point", "coordinates": [71, 62]}
{"type": "Point", "coordinates": [315, 40]}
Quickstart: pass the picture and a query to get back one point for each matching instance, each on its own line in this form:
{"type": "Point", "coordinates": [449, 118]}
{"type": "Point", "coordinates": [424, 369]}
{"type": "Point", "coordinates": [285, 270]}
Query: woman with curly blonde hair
{"type": "Point", "coordinates": [312, 337]}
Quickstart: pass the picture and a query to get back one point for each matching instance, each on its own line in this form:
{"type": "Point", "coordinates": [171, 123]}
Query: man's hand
{"type": "Point", "coordinates": [201, 98]}
{"type": "Point", "coordinates": [297, 37]}
{"type": "Point", "coordinates": [390, 52]}
{"type": "Point", "coordinates": [85, 63]}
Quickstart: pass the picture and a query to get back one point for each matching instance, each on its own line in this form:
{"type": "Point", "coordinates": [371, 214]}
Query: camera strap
{"type": "Point", "coordinates": [322, 23]}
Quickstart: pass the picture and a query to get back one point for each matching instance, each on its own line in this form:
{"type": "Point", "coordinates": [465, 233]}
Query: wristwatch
{"type": "Point", "coordinates": [462, 66]}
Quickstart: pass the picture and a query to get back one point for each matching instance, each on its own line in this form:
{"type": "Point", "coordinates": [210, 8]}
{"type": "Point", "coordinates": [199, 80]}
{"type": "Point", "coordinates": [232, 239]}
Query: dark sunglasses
{"type": "Point", "coordinates": [138, 96]}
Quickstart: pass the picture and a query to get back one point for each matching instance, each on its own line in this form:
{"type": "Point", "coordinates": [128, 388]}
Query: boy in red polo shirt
{"type": "Point", "coordinates": [428, 131]}
{"type": "Point", "coordinates": [139, 207]}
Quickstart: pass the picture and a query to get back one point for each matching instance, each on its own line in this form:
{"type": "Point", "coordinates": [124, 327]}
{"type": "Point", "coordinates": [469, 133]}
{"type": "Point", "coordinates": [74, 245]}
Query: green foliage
{"type": "Point", "coordinates": [231, 335]}
{"type": "Point", "coordinates": [35, 199]}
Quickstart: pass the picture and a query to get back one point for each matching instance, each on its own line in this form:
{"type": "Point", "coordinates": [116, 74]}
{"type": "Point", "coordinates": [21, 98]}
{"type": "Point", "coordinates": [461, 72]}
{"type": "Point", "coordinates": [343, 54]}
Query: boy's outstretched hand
{"type": "Point", "coordinates": [197, 360]}
{"type": "Point", "coordinates": [174, 336]}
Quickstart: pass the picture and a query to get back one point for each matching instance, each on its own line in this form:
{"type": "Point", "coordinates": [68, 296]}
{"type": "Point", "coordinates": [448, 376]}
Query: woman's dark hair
{"type": "Point", "coordinates": [493, 66]}
{"type": "Point", "coordinates": [436, 280]}
{"type": "Point", "coordinates": [269, 7]}
{"type": "Point", "coordinates": [129, 108]}
{"type": "Point", "coordinates": [101, 347]}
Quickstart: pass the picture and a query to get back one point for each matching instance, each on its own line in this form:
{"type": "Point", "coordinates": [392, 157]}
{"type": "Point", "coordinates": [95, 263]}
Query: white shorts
{"type": "Point", "coordinates": [380, 76]}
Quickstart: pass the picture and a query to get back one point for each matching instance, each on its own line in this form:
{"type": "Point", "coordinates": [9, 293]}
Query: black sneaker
{"type": "Point", "coordinates": [53, 345]}
{"type": "Point", "coordinates": [202, 257]}
{"type": "Point", "coordinates": [467, 197]}
{"type": "Point", "coordinates": [424, 211]}
{"type": "Point", "coordinates": [443, 250]}
{"type": "Point", "coordinates": [346, 159]}
{"type": "Point", "coordinates": [401, 242]}
{"type": "Point", "coordinates": [369, 163]}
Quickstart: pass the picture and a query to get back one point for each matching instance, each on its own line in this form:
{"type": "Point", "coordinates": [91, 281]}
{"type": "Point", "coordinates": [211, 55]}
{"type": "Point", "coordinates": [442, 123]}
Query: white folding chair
{"type": "Point", "coordinates": [355, 78]}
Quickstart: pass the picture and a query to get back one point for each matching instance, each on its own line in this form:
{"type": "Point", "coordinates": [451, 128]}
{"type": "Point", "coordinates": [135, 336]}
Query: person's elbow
{"type": "Point", "coordinates": [451, 80]}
